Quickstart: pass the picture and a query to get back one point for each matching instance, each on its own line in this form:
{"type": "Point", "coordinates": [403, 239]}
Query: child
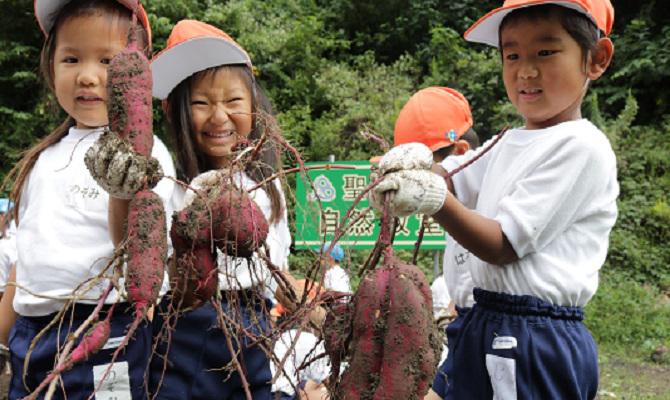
{"type": "Point", "coordinates": [213, 103]}
{"type": "Point", "coordinates": [440, 118]}
{"type": "Point", "coordinates": [62, 233]}
{"type": "Point", "coordinates": [535, 211]}
{"type": "Point", "coordinates": [335, 277]}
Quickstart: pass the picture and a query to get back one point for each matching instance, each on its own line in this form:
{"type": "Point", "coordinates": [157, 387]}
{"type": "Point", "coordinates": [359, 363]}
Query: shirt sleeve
{"type": "Point", "coordinates": [572, 183]}
{"type": "Point", "coordinates": [468, 182]}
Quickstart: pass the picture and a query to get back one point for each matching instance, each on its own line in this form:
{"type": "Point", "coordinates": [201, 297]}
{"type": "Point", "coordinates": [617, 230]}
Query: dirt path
{"type": "Point", "coordinates": [623, 379]}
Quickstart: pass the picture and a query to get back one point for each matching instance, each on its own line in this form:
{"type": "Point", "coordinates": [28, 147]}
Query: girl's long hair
{"type": "Point", "coordinates": [75, 8]}
{"type": "Point", "coordinates": [190, 163]}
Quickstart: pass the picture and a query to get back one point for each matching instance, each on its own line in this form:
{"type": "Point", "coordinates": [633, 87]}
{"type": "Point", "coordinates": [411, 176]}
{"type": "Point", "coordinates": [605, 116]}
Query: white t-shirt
{"type": "Point", "coordinates": [307, 348]}
{"type": "Point", "coordinates": [337, 279]}
{"type": "Point", "coordinates": [456, 273]}
{"type": "Point", "coordinates": [7, 259]}
{"type": "Point", "coordinates": [63, 238]}
{"type": "Point", "coordinates": [554, 192]}
{"type": "Point", "coordinates": [237, 273]}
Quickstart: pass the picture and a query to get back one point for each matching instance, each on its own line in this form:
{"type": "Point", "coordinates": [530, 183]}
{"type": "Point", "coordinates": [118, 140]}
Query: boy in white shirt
{"type": "Point", "coordinates": [534, 212]}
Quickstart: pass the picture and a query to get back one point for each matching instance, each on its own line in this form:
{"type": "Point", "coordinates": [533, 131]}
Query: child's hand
{"type": "Point", "coordinates": [118, 169]}
{"type": "Point", "coordinates": [406, 156]}
{"type": "Point", "coordinates": [415, 191]}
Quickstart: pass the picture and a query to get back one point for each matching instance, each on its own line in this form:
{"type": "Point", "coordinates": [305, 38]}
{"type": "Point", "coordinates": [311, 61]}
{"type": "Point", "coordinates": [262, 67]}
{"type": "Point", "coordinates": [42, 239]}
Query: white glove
{"type": "Point", "coordinates": [118, 169]}
{"type": "Point", "coordinates": [406, 156]}
{"type": "Point", "coordinates": [416, 191]}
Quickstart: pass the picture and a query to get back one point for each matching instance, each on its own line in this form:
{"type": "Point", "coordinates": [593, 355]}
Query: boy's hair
{"type": "Point", "coordinates": [578, 25]}
{"type": "Point", "coordinates": [190, 164]}
{"type": "Point", "coordinates": [76, 8]}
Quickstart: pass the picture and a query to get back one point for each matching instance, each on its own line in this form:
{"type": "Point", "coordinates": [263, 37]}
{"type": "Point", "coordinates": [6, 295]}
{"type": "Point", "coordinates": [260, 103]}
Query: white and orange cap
{"type": "Point", "coordinates": [486, 29]}
{"type": "Point", "coordinates": [193, 46]}
{"type": "Point", "coordinates": [46, 12]}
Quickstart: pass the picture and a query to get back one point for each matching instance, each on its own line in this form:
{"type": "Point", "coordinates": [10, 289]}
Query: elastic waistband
{"type": "Point", "coordinates": [81, 311]}
{"type": "Point", "coordinates": [524, 305]}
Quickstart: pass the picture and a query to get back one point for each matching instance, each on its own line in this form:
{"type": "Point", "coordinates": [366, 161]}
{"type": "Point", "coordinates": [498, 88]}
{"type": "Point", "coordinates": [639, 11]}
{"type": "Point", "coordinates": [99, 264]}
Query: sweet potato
{"type": "Point", "coordinates": [394, 345]}
{"type": "Point", "coordinates": [409, 359]}
{"type": "Point", "coordinates": [236, 224]}
{"type": "Point", "coordinates": [129, 85]}
{"type": "Point", "coordinates": [361, 378]}
{"type": "Point", "coordinates": [196, 278]}
{"type": "Point", "coordinates": [147, 250]}
{"type": "Point", "coordinates": [93, 340]}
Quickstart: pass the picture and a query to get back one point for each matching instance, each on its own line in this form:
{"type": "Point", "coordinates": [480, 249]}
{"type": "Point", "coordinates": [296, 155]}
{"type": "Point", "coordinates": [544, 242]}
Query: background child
{"type": "Point", "coordinates": [544, 202]}
{"type": "Point", "coordinates": [335, 277]}
{"type": "Point", "coordinates": [62, 236]}
{"type": "Point", "coordinates": [440, 118]}
{"type": "Point", "coordinates": [214, 104]}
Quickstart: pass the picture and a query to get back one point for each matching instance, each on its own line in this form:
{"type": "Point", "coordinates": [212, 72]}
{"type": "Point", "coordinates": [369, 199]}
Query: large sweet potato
{"type": "Point", "coordinates": [394, 346]}
{"type": "Point", "coordinates": [129, 85]}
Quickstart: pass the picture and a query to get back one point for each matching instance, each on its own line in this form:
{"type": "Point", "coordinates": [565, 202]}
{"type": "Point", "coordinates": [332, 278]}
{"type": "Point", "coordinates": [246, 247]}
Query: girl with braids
{"type": "Point", "coordinates": [62, 213]}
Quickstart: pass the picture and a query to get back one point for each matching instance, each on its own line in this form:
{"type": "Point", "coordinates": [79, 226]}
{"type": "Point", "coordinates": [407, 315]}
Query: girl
{"type": "Point", "coordinates": [213, 104]}
{"type": "Point", "coordinates": [543, 204]}
{"type": "Point", "coordinates": [62, 236]}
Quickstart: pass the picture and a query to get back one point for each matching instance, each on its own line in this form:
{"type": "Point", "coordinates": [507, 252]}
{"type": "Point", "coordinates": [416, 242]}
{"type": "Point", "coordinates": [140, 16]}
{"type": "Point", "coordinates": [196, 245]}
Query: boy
{"type": "Point", "coordinates": [535, 212]}
{"type": "Point", "coordinates": [335, 277]}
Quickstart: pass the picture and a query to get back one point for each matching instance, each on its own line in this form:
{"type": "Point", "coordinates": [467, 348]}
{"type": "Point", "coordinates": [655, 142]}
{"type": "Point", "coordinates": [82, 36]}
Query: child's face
{"type": "Point", "coordinates": [543, 71]}
{"type": "Point", "coordinates": [84, 47]}
{"type": "Point", "coordinates": [221, 114]}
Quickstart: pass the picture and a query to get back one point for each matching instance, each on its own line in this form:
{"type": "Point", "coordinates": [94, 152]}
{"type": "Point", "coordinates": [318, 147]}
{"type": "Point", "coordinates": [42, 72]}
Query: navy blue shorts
{"type": "Point", "coordinates": [521, 347]}
{"type": "Point", "coordinates": [198, 359]}
{"type": "Point", "coordinates": [442, 381]}
{"type": "Point", "coordinates": [125, 379]}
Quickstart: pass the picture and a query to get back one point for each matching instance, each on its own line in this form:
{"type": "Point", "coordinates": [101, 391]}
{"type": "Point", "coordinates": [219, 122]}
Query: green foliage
{"type": "Point", "coordinates": [625, 313]}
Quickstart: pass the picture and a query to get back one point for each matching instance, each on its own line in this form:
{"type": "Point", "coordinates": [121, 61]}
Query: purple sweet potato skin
{"type": "Point", "coordinates": [129, 85]}
{"type": "Point", "coordinates": [196, 277]}
{"type": "Point", "coordinates": [147, 250]}
{"type": "Point", "coordinates": [93, 340]}
{"type": "Point", "coordinates": [361, 378]}
{"type": "Point", "coordinates": [229, 217]}
{"type": "Point", "coordinates": [394, 346]}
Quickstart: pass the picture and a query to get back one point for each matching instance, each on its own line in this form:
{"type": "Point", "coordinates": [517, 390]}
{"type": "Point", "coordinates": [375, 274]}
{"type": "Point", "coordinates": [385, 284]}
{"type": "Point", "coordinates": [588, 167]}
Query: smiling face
{"type": "Point", "coordinates": [221, 113]}
{"type": "Point", "coordinates": [84, 46]}
{"type": "Point", "coordinates": [544, 71]}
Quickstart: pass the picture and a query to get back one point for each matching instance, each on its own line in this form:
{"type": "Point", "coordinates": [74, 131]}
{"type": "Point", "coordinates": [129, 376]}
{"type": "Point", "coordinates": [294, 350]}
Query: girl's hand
{"type": "Point", "coordinates": [118, 169]}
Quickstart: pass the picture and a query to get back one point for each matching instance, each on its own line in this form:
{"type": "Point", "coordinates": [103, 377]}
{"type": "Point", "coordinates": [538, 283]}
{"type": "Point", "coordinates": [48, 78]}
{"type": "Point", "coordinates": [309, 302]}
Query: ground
{"type": "Point", "coordinates": [620, 379]}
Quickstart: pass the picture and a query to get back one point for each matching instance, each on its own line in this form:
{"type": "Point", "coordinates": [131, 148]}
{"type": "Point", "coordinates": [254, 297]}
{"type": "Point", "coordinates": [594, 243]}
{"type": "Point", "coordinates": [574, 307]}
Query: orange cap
{"type": "Point", "coordinates": [486, 29]}
{"type": "Point", "coordinates": [193, 46]}
{"type": "Point", "coordinates": [434, 116]}
{"type": "Point", "coordinates": [46, 12]}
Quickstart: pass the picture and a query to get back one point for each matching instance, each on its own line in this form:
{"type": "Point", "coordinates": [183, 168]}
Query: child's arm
{"type": "Point", "coordinates": [482, 236]}
{"type": "Point", "coordinates": [7, 313]}
{"type": "Point", "coordinates": [419, 187]}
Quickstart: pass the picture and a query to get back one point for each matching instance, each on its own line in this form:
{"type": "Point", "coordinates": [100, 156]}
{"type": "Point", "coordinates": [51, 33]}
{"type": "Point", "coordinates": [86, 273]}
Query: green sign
{"type": "Point", "coordinates": [322, 204]}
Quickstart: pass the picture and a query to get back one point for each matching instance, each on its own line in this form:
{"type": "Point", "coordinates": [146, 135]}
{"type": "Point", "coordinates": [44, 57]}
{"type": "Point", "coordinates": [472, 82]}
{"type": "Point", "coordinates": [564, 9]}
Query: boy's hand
{"type": "Point", "coordinates": [406, 156]}
{"type": "Point", "coordinates": [118, 169]}
{"type": "Point", "coordinates": [415, 191]}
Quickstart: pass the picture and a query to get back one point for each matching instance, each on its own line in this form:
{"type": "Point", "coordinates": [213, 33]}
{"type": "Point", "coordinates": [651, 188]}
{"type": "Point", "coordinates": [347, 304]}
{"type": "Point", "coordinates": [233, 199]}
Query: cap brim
{"type": "Point", "coordinates": [177, 63]}
{"type": "Point", "coordinates": [486, 29]}
{"type": "Point", "coordinates": [45, 12]}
